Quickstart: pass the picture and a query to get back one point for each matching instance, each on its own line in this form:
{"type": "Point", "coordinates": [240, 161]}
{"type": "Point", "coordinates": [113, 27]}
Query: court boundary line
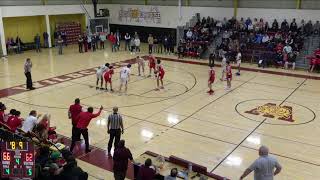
{"type": "Point", "coordinates": [245, 69]}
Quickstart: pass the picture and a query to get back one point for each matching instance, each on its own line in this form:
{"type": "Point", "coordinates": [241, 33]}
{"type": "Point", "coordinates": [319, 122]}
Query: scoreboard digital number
{"type": "Point", "coordinates": [17, 158]}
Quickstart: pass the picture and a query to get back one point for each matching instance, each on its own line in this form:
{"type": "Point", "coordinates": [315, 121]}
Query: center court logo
{"type": "Point", "coordinates": [272, 110]}
{"type": "Point", "coordinates": [275, 111]}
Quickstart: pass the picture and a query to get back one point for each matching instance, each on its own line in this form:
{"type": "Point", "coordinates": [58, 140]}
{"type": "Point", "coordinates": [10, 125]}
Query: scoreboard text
{"type": "Point", "coordinates": [17, 159]}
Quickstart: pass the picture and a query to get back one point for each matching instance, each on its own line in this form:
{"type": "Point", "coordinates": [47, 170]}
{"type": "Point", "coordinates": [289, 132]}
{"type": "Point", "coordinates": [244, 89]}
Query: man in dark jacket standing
{"type": "Point", "coordinates": [120, 161]}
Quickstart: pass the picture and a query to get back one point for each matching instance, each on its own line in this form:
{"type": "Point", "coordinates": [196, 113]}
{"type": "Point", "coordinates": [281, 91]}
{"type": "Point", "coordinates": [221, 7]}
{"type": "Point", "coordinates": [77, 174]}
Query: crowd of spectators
{"type": "Point", "coordinates": [276, 43]}
{"type": "Point", "coordinates": [272, 45]}
{"type": "Point", "coordinates": [50, 164]}
{"type": "Point", "coordinates": [197, 39]}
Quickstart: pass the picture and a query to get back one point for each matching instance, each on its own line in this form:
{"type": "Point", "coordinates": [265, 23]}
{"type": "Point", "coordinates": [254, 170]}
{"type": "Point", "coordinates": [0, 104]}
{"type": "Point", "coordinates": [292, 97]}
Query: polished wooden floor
{"type": "Point", "coordinates": [216, 131]}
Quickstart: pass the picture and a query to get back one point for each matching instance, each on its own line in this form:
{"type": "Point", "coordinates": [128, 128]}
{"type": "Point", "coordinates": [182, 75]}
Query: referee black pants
{"type": "Point", "coordinates": [114, 134]}
{"type": "Point", "coordinates": [29, 80]}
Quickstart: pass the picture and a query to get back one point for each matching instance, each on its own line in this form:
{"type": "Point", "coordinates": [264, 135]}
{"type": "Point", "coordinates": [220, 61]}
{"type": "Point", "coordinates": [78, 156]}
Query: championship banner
{"type": "Point", "coordinates": [146, 15]}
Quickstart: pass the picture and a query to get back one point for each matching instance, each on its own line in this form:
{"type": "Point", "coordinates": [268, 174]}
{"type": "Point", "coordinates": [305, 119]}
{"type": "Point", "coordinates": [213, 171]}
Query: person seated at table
{"type": "Point", "coordinates": [173, 174]}
{"type": "Point", "coordinates": [147, 171]}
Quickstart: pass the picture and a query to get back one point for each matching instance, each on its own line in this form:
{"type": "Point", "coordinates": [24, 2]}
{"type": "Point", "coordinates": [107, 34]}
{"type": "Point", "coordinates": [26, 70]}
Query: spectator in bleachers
{"type": "Point", "coordinates": [265, 39]}
{"type": "Point", "coordinates": [219, 25]}
{"type": "Point", "coordinates": [302, 27]}
{"type": "Point", "coordinates": [248, 22]}
{"type": "Point", "coordinates": [258, 38]}
{"type": "Point", "coordinates": [278, 37]}
{"type": "Point", "coordinates": [309, 28]}
{"type": "Point", "coordinates": [293, 25]}
{"type": "Point", "coordinates": [261, 24]}
{"type": "Point", "coordinates": [189, 34]}
{"type": "Point", "coordinates": [316, 28]}
{"type": "Point", "coordinates": [287, 49]}
{"type": "Point", "coordinates": [31, 121]}
{"type": "Point", "coordinates": [275, 25]}
{"type": "Point", "coordinates": [242, 25]}
{"type": "Point", "coordinates": [15, 121]}
{"type": "Point", "coordinates": [284, 26]}
{"type": "Point", "coordinates": [266, 27]}
{"type": "Point", "coordinates": [289, 40]}
{"type": "Point", "coordinates": [255, 25]}
{"type": "Point", "coordinates": [224, 23]}
{"type": "Point", "coordinates": [279, 59]}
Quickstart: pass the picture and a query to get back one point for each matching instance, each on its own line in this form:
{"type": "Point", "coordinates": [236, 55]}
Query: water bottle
{"type": "Point", "coordinates": [190, 167]}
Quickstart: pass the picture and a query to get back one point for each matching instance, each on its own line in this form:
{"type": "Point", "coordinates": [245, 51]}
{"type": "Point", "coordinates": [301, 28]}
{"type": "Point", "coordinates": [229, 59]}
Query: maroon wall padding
{"type": "Point", "coordinates": [184, 163]}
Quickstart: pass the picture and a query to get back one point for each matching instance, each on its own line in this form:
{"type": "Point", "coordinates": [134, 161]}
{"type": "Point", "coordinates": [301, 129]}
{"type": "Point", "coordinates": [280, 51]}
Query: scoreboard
{"type": "Point", "coordinates": [17, 159]}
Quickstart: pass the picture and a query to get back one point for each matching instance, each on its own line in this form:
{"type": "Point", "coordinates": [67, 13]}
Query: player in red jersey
{"type": "Point", "coordinates": [108, 78]}
{"type": "Point", "coordinates": [159, 74]}
{"type": "Point", "coordinates": [229, 75]}
{"type": "Point", "coordinates": [212, 76]}
{"type": "Point", "coordinates": [152, 64]}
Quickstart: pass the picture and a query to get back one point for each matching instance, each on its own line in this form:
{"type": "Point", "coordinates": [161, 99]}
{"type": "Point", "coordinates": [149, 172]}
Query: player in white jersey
{"type": "Point", "coordinates": [238, 58]}
{"type": "Point", "coordinates": [125, 77]}
{"type": "Point", "coordinates": [223, 67]}
{"type": "Point", "coordinates": [102, 69]}
{"type": "Point", "coordinates": [141, 64]}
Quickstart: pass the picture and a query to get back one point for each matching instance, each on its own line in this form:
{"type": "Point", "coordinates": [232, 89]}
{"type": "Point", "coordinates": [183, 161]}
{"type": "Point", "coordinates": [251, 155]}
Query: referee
{"type": "Point", "coordinates": [27, 73]}
{"type": "Point", "coordinates": [115, 128]}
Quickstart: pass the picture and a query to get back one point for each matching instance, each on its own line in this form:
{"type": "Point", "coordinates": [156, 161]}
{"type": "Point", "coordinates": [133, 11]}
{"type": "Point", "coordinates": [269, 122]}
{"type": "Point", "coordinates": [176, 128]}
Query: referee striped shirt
{"type": "Point", "coordinates": [115, 121]}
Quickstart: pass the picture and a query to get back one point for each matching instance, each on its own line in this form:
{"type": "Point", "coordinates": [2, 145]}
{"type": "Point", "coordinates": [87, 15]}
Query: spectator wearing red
{"type": "Point", "coordinates": [113, 41]}
{"type": "Point", "coordinates": [74, 111]}
{"type": "Point", "coordinates": [14, 121]}
{"type": "Point", "coordinates": [121, 157]}
{"type": "Point", "coordinates": [84, 119]}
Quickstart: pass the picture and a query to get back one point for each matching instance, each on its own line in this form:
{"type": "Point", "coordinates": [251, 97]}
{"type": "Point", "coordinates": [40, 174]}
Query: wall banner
{"type": "Point", "coordinates": [146, 15]}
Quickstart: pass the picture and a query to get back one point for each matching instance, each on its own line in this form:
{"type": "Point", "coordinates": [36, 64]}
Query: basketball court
{"type": "Point", "coordinates": [221, 132]}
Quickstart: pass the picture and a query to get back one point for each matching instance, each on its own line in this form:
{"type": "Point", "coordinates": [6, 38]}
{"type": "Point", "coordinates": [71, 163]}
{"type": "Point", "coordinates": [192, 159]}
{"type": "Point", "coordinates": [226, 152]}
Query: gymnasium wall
{"type": "Point", "coordinates": [56, 19]}
{"type": "Point", "coordinates": [170, 16]}
{"type": "Point", "coordinates": [25, 27]}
